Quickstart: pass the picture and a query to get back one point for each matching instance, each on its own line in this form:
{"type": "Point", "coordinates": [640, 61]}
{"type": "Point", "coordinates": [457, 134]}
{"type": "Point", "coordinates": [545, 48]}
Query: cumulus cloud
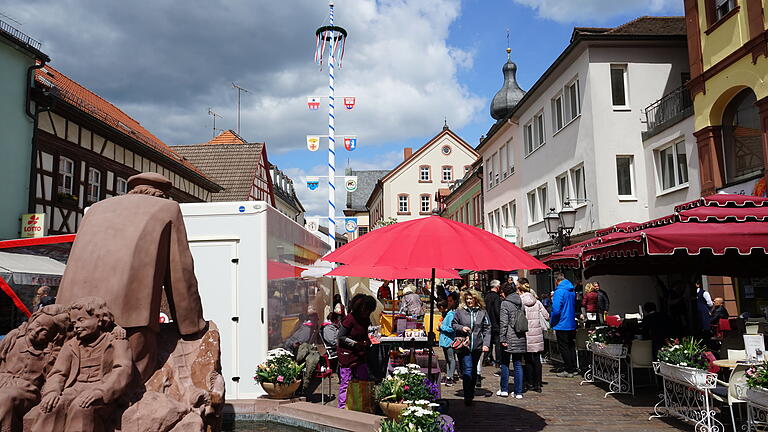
{"type": "Point", "coordinates": [589, 11]}
{"type": "Point", "coordinates": [165, 63]}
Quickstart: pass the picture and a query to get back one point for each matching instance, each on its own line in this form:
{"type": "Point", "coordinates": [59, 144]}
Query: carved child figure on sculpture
{"type": "Point", "coordinates": [27, 354]}
{"type": "Point", "coordinates": [93, 370]}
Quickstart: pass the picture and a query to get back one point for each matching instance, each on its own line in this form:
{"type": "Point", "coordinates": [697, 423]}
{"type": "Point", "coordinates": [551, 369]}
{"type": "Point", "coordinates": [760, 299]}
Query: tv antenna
{"type": "Point", "coordinates": [239, 91]}
{"type": "Point", "coordinates": [213, 114]}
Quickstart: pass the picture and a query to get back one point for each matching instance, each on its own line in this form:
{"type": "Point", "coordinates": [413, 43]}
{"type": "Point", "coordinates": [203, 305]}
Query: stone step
{"type": "Point", "coordinates": [331, 416]}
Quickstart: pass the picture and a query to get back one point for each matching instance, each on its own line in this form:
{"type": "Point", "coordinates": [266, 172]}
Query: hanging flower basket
{"type": "Point", "coordinates": [694, 377]}
{"type": "Point", "coordinates": [280, 391]}
{"type": "Point", "coordinates": [611, 349]}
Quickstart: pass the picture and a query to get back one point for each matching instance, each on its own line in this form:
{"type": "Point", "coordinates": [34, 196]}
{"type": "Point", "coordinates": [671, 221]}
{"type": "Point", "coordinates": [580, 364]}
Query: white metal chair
{"type": "Point", "coordinates": [636, 316]}
{"type": "Point", "coordinates": [737, 354]}
{"type": "Point", "coordinates": [641, 357]}
{"type": "Point", "coordinates": [752, 327]}
{"type": "Point", "coordinates": [737, 376]}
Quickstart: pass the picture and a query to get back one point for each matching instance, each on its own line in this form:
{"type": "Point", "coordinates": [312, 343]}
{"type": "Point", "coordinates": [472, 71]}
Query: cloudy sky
{"type": "Point", "coordinates": [410, 64]}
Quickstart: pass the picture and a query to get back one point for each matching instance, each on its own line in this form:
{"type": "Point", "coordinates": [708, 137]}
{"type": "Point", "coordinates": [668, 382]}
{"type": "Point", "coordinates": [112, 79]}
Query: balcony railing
{"type": "Point", "coordinates": [667, 111]}
{"type": "Point", "coordinates": [19, 35]}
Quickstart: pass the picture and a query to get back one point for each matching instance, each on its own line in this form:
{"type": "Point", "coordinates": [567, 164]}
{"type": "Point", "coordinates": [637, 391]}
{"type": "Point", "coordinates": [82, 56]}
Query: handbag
{"type": "Point", "coordinates": [360, 396]}
{"type": "Point", "coordinates": [521, 321]}
{"type": "Point", "coordinates": [460, 342]}
{"type": "Point", "coordinates": [544, 324]}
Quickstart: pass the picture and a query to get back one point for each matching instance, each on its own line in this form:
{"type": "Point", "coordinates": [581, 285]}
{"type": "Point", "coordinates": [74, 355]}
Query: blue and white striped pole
{"type": "Point", "coordinates": [331, 140]}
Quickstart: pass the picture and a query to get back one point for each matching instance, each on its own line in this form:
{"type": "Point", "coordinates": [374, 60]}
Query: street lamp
{"type": "Point", "coordinates": [560, 224]}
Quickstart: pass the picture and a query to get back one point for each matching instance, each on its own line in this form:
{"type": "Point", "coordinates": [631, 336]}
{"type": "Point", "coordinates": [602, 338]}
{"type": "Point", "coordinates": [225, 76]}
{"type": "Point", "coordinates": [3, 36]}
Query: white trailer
{"type": "Point", "coordinates": [248, 262]}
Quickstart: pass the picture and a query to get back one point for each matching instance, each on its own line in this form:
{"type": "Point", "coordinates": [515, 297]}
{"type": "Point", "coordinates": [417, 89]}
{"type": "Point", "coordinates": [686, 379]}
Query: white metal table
{"type": "Point", "coordinates": [757, 409]}
{"type": "Point", "coordinates": [688, 401]}
{"type": "Point", "coordinates": [611, 368]}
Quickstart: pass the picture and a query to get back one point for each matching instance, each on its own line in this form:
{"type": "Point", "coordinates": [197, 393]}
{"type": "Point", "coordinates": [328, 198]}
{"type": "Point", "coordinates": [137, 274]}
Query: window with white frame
{"type": "Point", "coordinates": [625, 176]}
{"type": "Point", "coordinates": [533, 209]}
{"type": "Point", "coordinates": [503, 163]}
{"type": "Point", "coordinates": [66, 175]}
{"type": "Point", "coordinates": [557, 112]}
{"type": "Point", "coordinates": [495, 164]}
{"type": "Point", "coordinates": [511, 157]}
{"type": "Point", "coordinates": [497, 221]}
{"type": "Point", "coordinates": [447, 173]}
{"type": "Point", "coordinates": [426, 203]}
{"type": "Point", "coordinates": [619, 94]}
{"type": "Point", "coordinates": [424, 173]}
{"type": "Point", "coordinates": [122, 186]}
{"type": "Point", "coordinates": [489, 169]}
{"type": "Point", "coordinates": [577, 181]}
{"type": "Point", "coordinates": [563, 189]}
{"type": "Point", "coordinates": [541, 193]}
{"type": "Point", "coordinates": [722, 7]}
{"type": "Point", "coordinates": [533, 133]}
{"type": "Point", "coordinates": [572, 102]}
{"type": "Point", "coordinates": [672, 163]}
{"type": "Point", "coordinates": [512, 213]}
{"type": "Point", "coordinates": [402, 204]}
{"type": "Point", "coordinates": [94, 184]}
{"type": "Point", "coordinates": [505, 214]}
{"type": "Point", "coordinates": [490, 222]}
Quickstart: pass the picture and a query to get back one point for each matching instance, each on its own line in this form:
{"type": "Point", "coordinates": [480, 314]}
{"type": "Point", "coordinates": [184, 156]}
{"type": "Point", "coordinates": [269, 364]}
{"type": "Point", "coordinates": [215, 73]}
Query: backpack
{"type": "Point", "coordinates": [521, 321]}
{"type": "Point", "coordinates": [603, 302]}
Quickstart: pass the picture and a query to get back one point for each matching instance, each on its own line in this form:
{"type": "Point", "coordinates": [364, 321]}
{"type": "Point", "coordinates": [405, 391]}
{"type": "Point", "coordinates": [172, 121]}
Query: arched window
{"type": "Point", "coordinates": [742, 143]}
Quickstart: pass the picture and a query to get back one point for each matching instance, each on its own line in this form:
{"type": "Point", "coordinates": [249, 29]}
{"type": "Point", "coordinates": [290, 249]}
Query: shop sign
{"type": "Point", "coordinates": [350, 224]}
{"type": "Point", "coordinates": [32, 225]}
{"type": "Point", "coordinates": [510, 234]}
{"type": "Point", "coordinates": [350, 183]}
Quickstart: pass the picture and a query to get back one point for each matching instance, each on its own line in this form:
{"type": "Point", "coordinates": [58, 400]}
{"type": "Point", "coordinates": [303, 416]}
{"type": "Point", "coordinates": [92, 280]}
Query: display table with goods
{"type": "Point", "coordinates": [609, 361]}
{"type": "Point", "coordinates": [687, 384]}
{"type": "Point", "coordinates": [755, 393]}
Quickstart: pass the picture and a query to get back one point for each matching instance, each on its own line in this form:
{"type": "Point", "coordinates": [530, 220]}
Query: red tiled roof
{"type": "Point", "coordinates": [89, 102]}
{"type": "Point", "coordinates": [227, 137]}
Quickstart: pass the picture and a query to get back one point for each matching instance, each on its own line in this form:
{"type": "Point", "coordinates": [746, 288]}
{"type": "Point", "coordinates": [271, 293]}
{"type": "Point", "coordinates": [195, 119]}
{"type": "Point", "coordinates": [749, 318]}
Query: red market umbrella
{"type": "Point", "coordinates": [389, 273]}
{"type": "Point", "coordinates": [437, 243]}
{"type": "Point", "coordinates": [434, 242]}
{"type": "Point", "coordinates": [278, 270]}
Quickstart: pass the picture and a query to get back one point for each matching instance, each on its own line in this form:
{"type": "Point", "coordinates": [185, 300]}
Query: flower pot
{"type": "Point", "coordinates": [612, 350]}
{"type": "Point", "coordinates": [279, 390]}
{"type": "Point", "coordinates": [392, 410]}
{"type": "Point", "coordinates": [691, 376]}
{"type": "Point", "coordinates": [758, 396]}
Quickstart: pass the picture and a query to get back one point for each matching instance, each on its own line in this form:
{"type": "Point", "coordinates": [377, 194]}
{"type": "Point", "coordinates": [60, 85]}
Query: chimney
{"type": "Point", "coordinates": [407, 153]}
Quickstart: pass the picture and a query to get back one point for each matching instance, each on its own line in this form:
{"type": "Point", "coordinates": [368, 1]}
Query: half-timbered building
{"type": "Point", "coordinates": [87, 148]}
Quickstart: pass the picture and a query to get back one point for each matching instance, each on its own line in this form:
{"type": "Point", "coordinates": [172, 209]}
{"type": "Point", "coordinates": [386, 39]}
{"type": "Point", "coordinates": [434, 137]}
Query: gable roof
{"type": "Point", "coordinates": [425, 147]}
{"type": "Point", "coordinates": [227, 137]}
{"type": "Point", "coordinates": [233, 166]}
{"type": "Point", "coordinates": [366, 181]}
{"type": "Point", "coordinates": [645, 28]}
{"type": "Point", "coordinates": [74, 94]}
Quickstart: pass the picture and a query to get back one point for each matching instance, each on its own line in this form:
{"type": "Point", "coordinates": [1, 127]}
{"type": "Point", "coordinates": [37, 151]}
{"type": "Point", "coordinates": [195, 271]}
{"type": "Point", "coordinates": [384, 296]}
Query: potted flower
{"type": "Point", "coordinates": [279, 375]}
{"type": "Point", "coordinates": [684, 361]}
{"type": "Point", "coordinates": [418, 417]}
{"type": "Point", "coordinates": [406, 384]}
{"type": "Point", "coordinates": [757, 384]}
{"type": "Point", "coordinates": [606, 341]}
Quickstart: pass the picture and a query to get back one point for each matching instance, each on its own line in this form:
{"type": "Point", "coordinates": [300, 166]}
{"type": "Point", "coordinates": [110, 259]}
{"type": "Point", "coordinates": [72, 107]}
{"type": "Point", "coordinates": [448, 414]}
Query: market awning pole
{"type": "Point", "coordinates": [431, 335]}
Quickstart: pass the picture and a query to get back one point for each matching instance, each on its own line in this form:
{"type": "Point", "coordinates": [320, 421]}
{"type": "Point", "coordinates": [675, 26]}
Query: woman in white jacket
{"type": "Point", "coordinates": [535, 312]}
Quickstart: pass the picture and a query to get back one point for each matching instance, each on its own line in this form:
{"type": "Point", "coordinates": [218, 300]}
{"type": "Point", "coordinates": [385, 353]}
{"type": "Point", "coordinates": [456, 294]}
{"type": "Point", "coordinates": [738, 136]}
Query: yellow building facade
{"type": "Point", "coordinates": [728, 54]}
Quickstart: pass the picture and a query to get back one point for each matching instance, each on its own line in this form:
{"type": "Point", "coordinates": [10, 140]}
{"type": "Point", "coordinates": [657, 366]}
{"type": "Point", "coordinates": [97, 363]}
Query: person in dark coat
{"type": "Point", "coordinates": [471, 321]}
{"type": "Point", "coordinates": [493, 308]}
{"type": "Point", "coordinates": [718, 311]}
{"type": "Point", "coordinates": [512, 341]}
{"type": "Point", "coordinates": [656, 326]}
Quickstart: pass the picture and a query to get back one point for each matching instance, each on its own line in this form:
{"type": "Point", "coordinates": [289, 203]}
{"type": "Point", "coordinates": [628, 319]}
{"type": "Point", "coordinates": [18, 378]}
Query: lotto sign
{"type": "Point", "coordinates": [313, 183]}
{"type": "Point", "coordinates": [313, 142]}
{"type": "Point", "coordinates": [32, 225]}
{"type": "Point", "coordinates": [350, 183]}
{"type": "Point", "coordinates": [313, 224]}
{"type": "Point", "coordinates": [350, 143]}
{"type": "Point", "coordinates": [350, 224]}
{"type": "Point", "coordinates": [313, 103]}
{"type": "Point", "coordinates": [349, 102]}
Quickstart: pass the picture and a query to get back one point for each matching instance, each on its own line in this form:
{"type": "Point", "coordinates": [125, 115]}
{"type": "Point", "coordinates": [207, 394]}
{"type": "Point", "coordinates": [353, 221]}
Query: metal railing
{"type": "Point", "coordinates": [19, 35]}
{"type": "Point", "coordinates": [667, 111]}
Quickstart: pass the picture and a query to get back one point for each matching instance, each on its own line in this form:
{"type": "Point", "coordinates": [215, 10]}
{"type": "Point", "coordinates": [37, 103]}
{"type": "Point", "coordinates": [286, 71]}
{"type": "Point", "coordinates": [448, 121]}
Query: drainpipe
{"type": "Point", "coordinates": [33, 157]}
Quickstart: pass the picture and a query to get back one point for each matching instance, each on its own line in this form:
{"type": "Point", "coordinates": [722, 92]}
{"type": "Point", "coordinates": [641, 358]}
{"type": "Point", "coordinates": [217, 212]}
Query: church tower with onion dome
{"type": "Point", "coordinates": [510, 93]}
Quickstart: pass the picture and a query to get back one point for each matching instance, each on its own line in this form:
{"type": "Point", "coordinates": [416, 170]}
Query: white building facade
{"type": "Point", "coordinates": [408, 191]}
{"type": "Point", "coordinates": [577, 138]}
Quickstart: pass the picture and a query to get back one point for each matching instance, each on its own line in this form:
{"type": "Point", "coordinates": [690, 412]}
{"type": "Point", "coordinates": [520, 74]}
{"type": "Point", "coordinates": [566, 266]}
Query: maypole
{"type": "Point", "coordinates": [334, 37]}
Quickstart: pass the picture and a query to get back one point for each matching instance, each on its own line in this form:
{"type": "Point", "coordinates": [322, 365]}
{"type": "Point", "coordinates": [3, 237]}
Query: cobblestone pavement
{"type": "Point", "coordinates": [563, 406]}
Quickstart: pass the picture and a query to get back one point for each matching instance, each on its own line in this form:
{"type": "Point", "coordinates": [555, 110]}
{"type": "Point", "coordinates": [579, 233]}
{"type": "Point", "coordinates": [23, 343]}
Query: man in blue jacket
{"type": "Point", "coordinates": [563, 322]}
